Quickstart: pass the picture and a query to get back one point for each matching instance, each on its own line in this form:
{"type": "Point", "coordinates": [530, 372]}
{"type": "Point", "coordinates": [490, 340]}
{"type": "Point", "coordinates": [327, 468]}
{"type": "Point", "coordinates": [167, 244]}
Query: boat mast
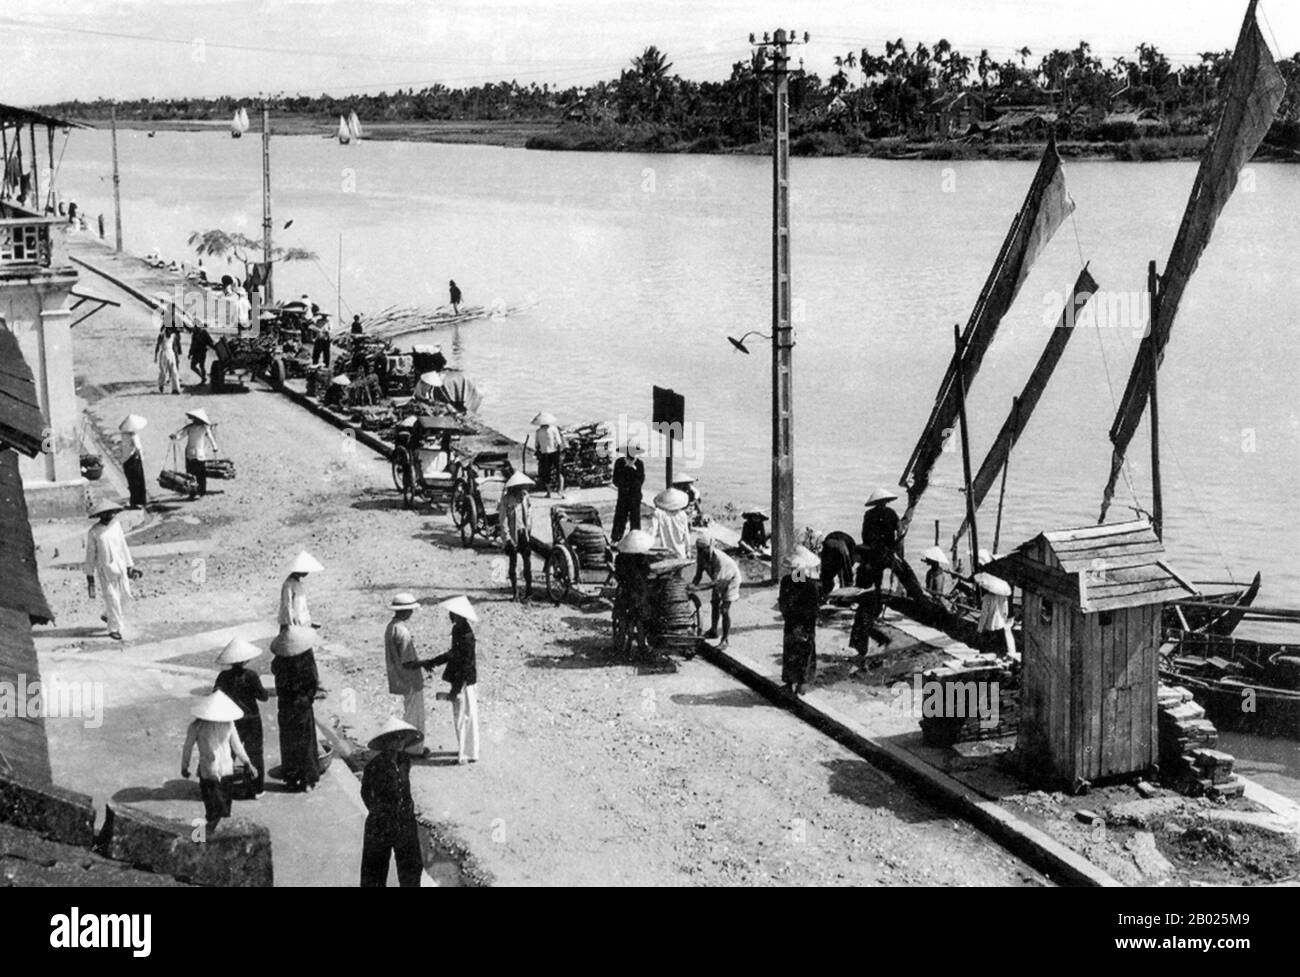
{"type": "Point", "coordinates": [1157, 500]}
{"type": "Point", "coordinates": [1006, 467]}
{"type": "Point", "coordinates": [965, 450]}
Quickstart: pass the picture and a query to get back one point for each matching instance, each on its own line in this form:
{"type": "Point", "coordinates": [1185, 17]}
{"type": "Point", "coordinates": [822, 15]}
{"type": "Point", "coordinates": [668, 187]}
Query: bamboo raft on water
{"type": "Point", "coordinates": [403, 320]}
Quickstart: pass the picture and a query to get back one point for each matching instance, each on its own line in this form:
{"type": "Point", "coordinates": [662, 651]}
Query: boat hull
{"type": "Point", "coordinates": [1239, 706]}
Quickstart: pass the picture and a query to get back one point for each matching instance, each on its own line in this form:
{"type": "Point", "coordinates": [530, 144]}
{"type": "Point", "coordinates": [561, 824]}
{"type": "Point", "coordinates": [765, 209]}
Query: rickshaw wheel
{"type": "Point", "coordinates": [458, 500]}
{"type": "Point", "coordinates": [469, 520]}
{"type": "Point", "coordinates": [560, 571]}
{"type": "Point", "coordinates": [408, 489]}
{"type": "Point", "coordinates": [399, 462]}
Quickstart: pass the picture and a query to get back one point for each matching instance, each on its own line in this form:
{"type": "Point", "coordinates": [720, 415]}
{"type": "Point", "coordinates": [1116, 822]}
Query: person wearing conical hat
{"type": "Point", "coordinates": [391, 829]}
{"type": "Point", "coordinates": [405, 675]}
{"type": "Point", "coordinates": [629, 479]}
{"type": "Point", "coordinates": [799, 600]}
{"type": "Point", "coordinates": [322, 338]}
{"type": "Point", "coordinates": [548, 444]}
{"type": "Point", "coordinates": [133, 459]}
{"type": "Point", "coordinates": [672, 523]}
{"type": "Point", "coordinates": [244, 688]}
{"type": "Point", "coordinates": [937, 579]}
{"type": "Point", "coordinates": [296, 683]}
{"type": "Point", "coordinates": [881, 542]}
{"type": "Point", "coordinates": [197, 433]}
{"type": "Point", "coordinates": [213, 732]}
{"type": "Point", "coordinates": [724, 575]}
{"type": "Point", "coordinates": [293, 592]}
{"type": "Point", "coordinates": [108, 563]}
{"type": "Point", "coordinates": [694, 506]}
{"type": "Point", "coordinates": [753, 531]}
{"type": "Point", "coordinates": [632, 605]}
{"type": "Point", "coordinates": [462, 674]}
{"type": "Point", "coordinates": [995, 634]}
{"type": "Point", "coordinates": [515, 520]}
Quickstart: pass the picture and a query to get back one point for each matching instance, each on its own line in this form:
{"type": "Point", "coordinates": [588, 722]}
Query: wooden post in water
{"type": "Point", "coordinates": [1157, 500]}
{"type": "Point", "coordinates": [965, 452]}
{"type": "Point", "coordinates": [267, 291]}
{"type": "Point", "coordinates": [117, 185]}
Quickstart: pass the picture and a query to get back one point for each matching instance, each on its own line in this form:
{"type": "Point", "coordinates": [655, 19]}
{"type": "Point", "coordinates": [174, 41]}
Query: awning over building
{"type": "Point", "coordinates": [11, 115]}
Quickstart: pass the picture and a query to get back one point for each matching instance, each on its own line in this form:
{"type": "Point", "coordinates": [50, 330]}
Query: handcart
{"type": "Point", "coordinates": [478, 491]}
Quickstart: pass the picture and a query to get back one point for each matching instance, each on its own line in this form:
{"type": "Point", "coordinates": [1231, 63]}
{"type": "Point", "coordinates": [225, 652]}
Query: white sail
{"type": "Point", "coordinates": [344, 135]}
{"type": "Point", "coordinates": [243, 119]}
{"type": "Point", "coordinates": [354, 126]}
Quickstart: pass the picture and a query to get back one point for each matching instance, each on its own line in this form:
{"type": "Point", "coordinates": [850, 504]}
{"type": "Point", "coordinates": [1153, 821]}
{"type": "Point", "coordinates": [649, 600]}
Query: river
{"type": "Point", "coordinates": [640, 266]}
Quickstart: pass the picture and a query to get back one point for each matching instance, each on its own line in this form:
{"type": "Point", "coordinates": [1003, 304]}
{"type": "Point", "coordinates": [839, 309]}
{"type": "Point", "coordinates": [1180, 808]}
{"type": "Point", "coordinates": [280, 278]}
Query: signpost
{"type": "Point", "coordinates": [668, 417]}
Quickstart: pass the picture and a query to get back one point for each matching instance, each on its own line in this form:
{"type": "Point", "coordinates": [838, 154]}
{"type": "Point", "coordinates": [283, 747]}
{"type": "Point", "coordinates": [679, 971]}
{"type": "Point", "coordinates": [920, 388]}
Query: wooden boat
{"type": "Point", "coordinates": [354, 126]}
{"type": "Point", "coordinates": [239, 123]}
{"type": "Point", "coordinates": [1211, 620]}
{"type": "Point", "coordinates": [1245, 685]}
{"type": "Point", "coordinates": [344, 136]}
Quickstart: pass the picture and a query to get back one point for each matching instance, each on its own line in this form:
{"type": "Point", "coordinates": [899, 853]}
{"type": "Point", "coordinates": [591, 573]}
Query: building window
{"type": "Point", "coordinates": [1106, 618]}
{"type": "Point", "coordinates": [1045, 612]}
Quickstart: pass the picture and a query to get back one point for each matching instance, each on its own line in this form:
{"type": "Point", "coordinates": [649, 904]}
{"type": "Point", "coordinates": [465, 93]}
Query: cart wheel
{"type": "Point", "coordinates": [399, 463]}
{"type": "Point", "coordinates": [408, 488]}
{"type": "Point", "coordinates": [560, 573]}
{"type": "Point", "coordinates": [468, 520]}
{"type": "Point", "coordinates": [458, 500]}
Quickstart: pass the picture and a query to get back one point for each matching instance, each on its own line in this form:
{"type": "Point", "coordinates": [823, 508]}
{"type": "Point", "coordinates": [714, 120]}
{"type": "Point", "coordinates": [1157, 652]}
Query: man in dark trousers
{"type": "Point", "coordinates": [879, 542]}
{"type": "Point", "coordinates": [200, 343]}
{"type": "Point", "coordinates": [390, 823]}
{"type": "Point", "coordinates": [454, 292]}
{"type": "Point", "coordinates": [629, 477]}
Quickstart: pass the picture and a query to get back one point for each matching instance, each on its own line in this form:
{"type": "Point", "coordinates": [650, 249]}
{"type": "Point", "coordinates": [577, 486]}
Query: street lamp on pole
{"type": "Point", "coordinates": [740, 343]}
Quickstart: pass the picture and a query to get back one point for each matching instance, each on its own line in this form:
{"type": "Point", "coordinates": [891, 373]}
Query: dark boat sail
{"type": "Point", "coordinates": [1014, 426]}
{"type": "Point", "coordinates": [1046, 206]}
{"type": "Point", "coordinates": [1254, 92]}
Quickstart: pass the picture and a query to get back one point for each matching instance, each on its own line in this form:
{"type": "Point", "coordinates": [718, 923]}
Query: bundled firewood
{"type": "Point", "coordinates": [588, 462]}
{"type": "Point", "coordinates": [219, 468]}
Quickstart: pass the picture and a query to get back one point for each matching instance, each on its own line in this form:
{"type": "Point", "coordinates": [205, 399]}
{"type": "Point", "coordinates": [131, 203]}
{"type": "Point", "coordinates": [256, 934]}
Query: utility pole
{"type": "Point", "coordinates": [117, 184]}
{"type": "Point", "coordinates": [782, 333]}
{"type": "Point", "coordinates": [267, 295]}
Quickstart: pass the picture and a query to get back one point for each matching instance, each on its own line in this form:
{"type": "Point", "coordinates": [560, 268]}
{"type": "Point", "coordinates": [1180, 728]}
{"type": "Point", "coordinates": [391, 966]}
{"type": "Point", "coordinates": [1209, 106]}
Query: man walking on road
{"type": "Point", "coordinates": [404, 676]}
{"type": "Point", "coordinates": [108, 563]}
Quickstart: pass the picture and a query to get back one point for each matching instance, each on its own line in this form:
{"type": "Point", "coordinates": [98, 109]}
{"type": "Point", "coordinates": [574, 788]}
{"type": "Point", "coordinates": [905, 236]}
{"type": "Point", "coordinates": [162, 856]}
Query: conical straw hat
{"type": "Point", "coordinates": [994, 585]}
{"type": "Point", "coordinates": [936, 555]}
{"type": "Point", "coordinates": [637, 541]}
{"type": "Point", "coordinates": [216, 708]}
{"type": "Point", "coordinates": [517, 479]}
{"type": "Point", "coordinates": [133, 424]}
{"type": "Point", "coordinates": [199, 414]}
{"type": "Point", "coordinates": [237, 652]}
{"type": "Point", "coordinates": [544, 419]}
{"type": "Point", "coordinates": [671, 500]}
{"type": "Point", "coordinates": [395, 728]}
{"type": "Point", "coordinates": [294, 640]}
{"type": "Point", "coordinates": [802, 558]}
{"type": "Point", "coordinates": [304, 562]}
{"type": "Point", "coordinates": [104, 508]}
{"type": "Point", "coordinates": [460, 606]}
{"type": "Point", "coordinates": [881, 496]}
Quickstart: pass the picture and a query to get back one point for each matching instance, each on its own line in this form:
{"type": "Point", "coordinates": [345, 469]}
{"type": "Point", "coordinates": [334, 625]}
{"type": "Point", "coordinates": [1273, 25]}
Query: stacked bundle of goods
{"type": "Point", "coordinates": [589, 543]}
{"type": "Point", "coordinates": [379, 418]}
{"type": "Point", "coordinates": [673, 618]}
{"type": "Point", "coordinates": [1187, 751]}
{"type": "Point", "coordinates": [588, 461]}
{"type": "Point", "coordinates": [952, 716]}
{"type": "Point", "coordinates": [318, 381]}
{"type": "Point", "coordinates": [219, 468]}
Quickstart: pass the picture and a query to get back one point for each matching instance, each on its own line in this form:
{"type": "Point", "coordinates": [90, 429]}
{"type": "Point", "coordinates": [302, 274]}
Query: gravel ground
{"type": "Point", "coordinates": [591, 772]}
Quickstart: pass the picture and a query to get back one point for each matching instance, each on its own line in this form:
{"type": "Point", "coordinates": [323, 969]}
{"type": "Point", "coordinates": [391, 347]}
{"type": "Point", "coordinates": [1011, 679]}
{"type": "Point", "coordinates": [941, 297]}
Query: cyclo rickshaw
{"type": "Point", "coordinates": [580, 551]}
{"type": "Point", "coordinates": [424, 462]}
{"type": "Point", "coordinates": [477, 494]}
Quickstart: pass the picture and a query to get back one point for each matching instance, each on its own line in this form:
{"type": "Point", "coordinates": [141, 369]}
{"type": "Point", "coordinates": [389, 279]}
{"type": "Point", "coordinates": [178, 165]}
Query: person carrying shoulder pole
{"type": "Point", "coordinates": [197, 433]}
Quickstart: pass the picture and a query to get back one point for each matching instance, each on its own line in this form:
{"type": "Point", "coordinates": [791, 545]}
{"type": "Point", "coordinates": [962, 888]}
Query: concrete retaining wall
{"type": "Point", "coordinates": [54, 812]}
{"type": "Point", "coordinates": [237, 853]}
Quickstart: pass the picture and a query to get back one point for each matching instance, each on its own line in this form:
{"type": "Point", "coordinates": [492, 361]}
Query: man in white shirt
{"type": "Point", "coordinates": [108, 562]}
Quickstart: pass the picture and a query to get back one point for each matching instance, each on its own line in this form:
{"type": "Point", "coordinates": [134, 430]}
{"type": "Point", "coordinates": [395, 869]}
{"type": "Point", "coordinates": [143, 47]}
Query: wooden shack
{"type": "Point", "coordinates": [1093, 599]}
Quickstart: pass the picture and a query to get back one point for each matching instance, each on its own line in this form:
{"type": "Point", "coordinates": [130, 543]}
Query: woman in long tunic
{"type": "Point", "coordinates": [799, 600]}
{"type": "Point", "coordinates": [133, 459]}
{"type": "Point", "coordinates": [108, 562]}
{"type": "Point", "coordinates": [296, 684]}
{"type": "Point", "coordinates": [672, 523]}
{"type": "Point", "coordinates": [244, 688]}
{"type": "Point", "coordinates": [293, 593]}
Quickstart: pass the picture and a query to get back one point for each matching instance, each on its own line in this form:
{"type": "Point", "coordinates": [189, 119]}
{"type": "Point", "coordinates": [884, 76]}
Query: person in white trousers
{"type": "Point", "coordinates": [108, 563]}
{"type": "Point", "coordinates": [462, 674]}
{"type": "Point", "coordinates": [405, 677]}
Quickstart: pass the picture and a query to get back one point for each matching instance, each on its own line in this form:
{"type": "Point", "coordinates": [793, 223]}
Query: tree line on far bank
{"type": "Point", "coordinates": [902, 94]}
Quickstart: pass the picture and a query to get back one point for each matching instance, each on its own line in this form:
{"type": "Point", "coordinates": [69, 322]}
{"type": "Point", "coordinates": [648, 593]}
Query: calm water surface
{"type": "Point", "coordinates": [640, 266]}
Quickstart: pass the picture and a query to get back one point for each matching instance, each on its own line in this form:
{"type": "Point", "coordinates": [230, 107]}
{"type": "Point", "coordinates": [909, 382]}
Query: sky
{"type": "Point", "coordinates": [168, 48]}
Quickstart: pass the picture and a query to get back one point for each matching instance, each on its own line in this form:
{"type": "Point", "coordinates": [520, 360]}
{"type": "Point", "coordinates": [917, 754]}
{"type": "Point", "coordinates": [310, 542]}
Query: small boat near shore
{"type": "Point", "coordinates": [238, 124]}
{"type": "Point", "coordinates": [1245, 685]}
{"type": "Point", "coordinates": [1221, 619]}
